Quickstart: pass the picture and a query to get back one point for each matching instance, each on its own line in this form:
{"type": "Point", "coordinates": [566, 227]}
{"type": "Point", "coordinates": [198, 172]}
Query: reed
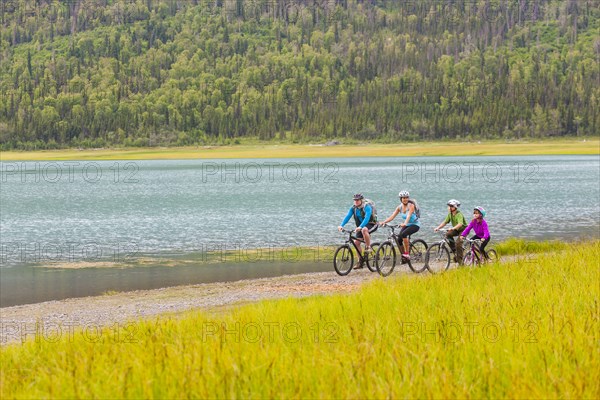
{"type": "Point", "coordinates": [489, 148]}
{"type": "Point", "coordinates": [526, 328]}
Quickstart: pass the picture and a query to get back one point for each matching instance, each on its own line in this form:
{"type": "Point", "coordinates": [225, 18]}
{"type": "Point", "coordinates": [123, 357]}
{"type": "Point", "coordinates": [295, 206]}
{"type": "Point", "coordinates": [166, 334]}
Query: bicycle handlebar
{"type": "Point", "coordinates": [351, 234]}
{"type": "Point", "coordinates": [442, 232]}
{"type": "Point", "coordinates": [348, 231]}
{"type": "Point", "coordinates": [392, 227]}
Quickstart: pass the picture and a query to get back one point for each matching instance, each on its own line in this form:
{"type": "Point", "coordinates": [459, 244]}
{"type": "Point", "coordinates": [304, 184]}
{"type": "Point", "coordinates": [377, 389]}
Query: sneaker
{"type": "Point", "coordinates": [359, 265]}
{"type": "Point", "coordinates": [368, 249]}
{"type": "Point", "coordinates": [406, 256]}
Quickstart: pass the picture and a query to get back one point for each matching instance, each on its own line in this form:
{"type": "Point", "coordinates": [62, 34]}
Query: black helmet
{"type": "Point", "coordinates": [358, 196]}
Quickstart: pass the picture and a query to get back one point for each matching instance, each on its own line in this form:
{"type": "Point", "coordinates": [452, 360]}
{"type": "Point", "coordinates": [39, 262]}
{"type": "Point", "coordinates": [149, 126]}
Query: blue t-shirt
{"type": "Point", "coordinates": [363, 217]}
{"type": "Point", "coordinates": [413, 217]}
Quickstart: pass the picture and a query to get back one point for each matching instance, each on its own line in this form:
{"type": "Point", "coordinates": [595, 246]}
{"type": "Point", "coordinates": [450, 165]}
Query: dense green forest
{"type": "Point", "coordinates": [96, 73]}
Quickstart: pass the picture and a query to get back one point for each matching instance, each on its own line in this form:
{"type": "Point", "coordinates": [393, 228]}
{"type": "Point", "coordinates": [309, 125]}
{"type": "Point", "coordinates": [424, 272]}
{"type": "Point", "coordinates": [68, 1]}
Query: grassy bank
{"type": "Point", "coordinates": [292, 254]}
{"type": "Point", "coordinates": [524, 329]}
{"type": "Point", "coordinates": [491, 148]}
{"type": "Point", "coordinates": [522, 247]}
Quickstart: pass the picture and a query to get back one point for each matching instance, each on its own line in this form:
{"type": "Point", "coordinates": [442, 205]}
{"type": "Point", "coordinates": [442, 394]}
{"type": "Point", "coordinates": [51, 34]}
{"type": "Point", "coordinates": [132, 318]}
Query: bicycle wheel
{"type": "Point", "coordinates": [470, 259]}
{"type": "Point", "coordinates": [369, 258]}
{"type": "Point", "coordinates": [492, 256]}
{"type": "Point", "coordinates": [385, 258]}
{"type": "Point", "coordinates": [418, 250]}
{"type": "Point", "coordinates": [437, 258]}
{"type": "Point", "coordinates": [343, 259]}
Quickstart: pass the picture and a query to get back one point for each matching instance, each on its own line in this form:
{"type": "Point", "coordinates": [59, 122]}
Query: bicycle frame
{"type": "Point", "coordinates": [395, 237]}
{"type": "Point", "coordinates": [363, 257]}
{"type": "Point", "coordinates": [474, 247]}
{"type": "Point", "coordinates": [440, 254]}
{"type": "Point", "coordinates": [417, 248]}
{"type": "Point", "coordinates": [351, 240]}
{"type": "Point", "coordinates": [444, 242]}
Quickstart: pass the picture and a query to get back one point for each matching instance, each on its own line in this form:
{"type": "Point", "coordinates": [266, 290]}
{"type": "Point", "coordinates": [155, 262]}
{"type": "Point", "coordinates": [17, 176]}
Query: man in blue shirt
{"type": "Point", "coordinates": [366, 223]}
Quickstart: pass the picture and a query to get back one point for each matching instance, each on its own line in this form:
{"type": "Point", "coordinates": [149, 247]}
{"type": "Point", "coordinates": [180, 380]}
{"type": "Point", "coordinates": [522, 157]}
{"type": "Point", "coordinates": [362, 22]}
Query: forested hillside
{"type": "Point", "coordinates": [95, 73]}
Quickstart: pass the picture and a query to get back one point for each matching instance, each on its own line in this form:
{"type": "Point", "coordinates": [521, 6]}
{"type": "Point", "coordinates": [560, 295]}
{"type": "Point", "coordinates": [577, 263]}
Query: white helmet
{"type": "Point", "coordinates": [403, 193]}
{"type": "Point", "coordinates": [481, 210]}
{"type": "Point", "coordinates": [454, 203]}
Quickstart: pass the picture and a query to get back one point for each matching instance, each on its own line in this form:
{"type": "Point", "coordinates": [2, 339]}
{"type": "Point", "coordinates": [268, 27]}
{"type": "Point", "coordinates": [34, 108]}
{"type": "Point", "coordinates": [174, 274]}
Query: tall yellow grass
{"type": "Point", "coordinates": [523, 329]}
{"type": "Point", "coordinates": [489, 148]}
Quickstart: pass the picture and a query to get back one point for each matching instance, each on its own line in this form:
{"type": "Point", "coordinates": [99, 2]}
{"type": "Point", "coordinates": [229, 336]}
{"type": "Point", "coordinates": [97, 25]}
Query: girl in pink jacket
{"type": "Point", "coordinates": [480, 228]}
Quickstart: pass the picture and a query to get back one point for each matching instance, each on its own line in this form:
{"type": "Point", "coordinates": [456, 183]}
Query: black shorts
{"type": "Point", "coordinates": [483, 242]}
{"type": "Point", "coordinates": [372, 228]}
{"type": "Point", "coordinates": [406, 231]}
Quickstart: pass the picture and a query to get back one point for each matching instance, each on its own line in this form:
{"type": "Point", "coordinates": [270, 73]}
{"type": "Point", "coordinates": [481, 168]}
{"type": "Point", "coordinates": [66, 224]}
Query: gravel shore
{"type": "Point", "coordinates": [25, 321]}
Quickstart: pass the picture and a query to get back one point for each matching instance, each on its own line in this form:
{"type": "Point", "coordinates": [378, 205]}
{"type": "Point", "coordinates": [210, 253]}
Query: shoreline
{"type": "Point", "coordinates": [46, 320]}
{"type": "Point", "coordinates": [581, 146]}
{"type": "Point", "coordinates": [200, 269]}
{"type": "Point", "coordinates": [42, 320]}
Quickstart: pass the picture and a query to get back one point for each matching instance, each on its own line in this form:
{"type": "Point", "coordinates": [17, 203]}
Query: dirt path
{"type": "Point", "coordinates": [25, 321]}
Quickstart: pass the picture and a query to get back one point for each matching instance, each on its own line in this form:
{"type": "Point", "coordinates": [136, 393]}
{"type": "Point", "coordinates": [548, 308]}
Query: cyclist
{"type": "Point", "coordinates": [458, 222]}
{"type": "Point", "coordinates": [480, 228]}
{"type": "Point", "coordinates": [366, 223]}
{"type": "Point", "coordinates": [411, 224]}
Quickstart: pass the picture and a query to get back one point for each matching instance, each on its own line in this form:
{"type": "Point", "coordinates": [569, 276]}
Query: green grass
{"type": "Point", "coordinates": [515, 246]}
{"type": "Point", "coordinates": [253, 150]}
{"type": "Point", "coordinates": [524, 329]}
{"type": "Point", "coordinates": [319, 254]}
{"type": "Point", "coordinates": [508, 247]}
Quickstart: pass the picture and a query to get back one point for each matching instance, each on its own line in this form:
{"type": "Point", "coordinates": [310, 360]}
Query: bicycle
{"type": "Point", "coordinates": [475, 256]}
{"type": "Point", "coordinates": [437, 258]}
{"type": "Point", "coordinates": [343, 258]}
{"type": "Point", "coordinates": [385, 257]}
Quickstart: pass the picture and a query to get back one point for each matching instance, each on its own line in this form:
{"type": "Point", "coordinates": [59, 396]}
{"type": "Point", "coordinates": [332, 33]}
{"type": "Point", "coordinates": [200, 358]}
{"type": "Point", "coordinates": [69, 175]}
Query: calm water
{"type": "Point", "coordinates": [115, 210]}
{"type": "Point", "coordinates": [29, 284]}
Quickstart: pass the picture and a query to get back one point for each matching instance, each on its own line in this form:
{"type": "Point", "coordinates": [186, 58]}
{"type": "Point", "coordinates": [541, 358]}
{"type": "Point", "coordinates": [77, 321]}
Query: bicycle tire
{"type": "Point", "coordinates": [470, 259]}
{"type": "Point", "coordinates": [437, 258]}
{"type": "Point", "coordinates": [492, 256]}
{"type": "Point", "coordinates": [369, 260]}
{"type": "Point", "coordinates": [342, 255]}
{"type": "Point", "coordinates": [418, 251]}
{"type": "Point", "coordinates": [385, 258]}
